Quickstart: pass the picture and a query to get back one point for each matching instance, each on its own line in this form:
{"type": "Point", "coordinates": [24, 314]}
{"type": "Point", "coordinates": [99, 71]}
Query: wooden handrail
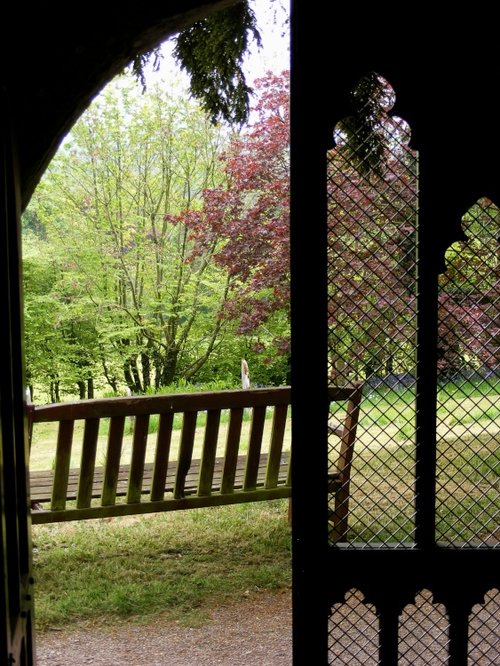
{"type": "Point", "coordinates": [263, 472]}
{"type": "Point", "coordinates": [161, 404]}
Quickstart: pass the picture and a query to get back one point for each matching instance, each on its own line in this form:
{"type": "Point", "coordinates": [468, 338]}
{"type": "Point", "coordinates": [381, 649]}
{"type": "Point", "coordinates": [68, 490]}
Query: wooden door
{"type": "Point", "coordinates": [417, 581]}
{"type": "Point", "coordinates": [16, 643]}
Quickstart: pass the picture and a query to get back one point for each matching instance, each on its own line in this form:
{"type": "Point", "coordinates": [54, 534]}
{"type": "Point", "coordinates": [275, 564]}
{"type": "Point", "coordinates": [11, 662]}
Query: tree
{"type": "Point", "coordinates": [372, 225]}
{"type": "Point", "coordinates": [372, 249]}
{"type": "Point", "coordinates": [372, 196]}
{"type": "Point", "coordinates": [61, 340]}
{"type": "Point", "coordinates": [212, 51]}
{"type": "Point", "coordinates": [468, 296]}
{"type": "Point", "coordinates": [249, 213]}
{"type": "Point", "coordinates": [130, 163]}
{"type": "Point", "coordinates": [40, 316]}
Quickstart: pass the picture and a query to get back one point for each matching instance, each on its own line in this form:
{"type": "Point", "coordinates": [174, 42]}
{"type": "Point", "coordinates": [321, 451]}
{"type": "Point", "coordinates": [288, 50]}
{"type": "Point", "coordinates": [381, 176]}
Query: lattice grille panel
{"type": "Point", "coordinates": [353, 632]}
{"type": "Point", "coordinates": [372, 195]}
{"type": "Point", "coordinates": [468, 417]}
{"type": "Point", "coordinates": [423, 633]}
{"type": "Point", "coordinates": [484, 631]}
{"type": "Point", "coordinates": [372, 248]}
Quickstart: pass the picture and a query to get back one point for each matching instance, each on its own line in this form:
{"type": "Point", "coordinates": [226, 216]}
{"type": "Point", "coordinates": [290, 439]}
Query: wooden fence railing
{"type": "Point", "coordinates": [232, 446]}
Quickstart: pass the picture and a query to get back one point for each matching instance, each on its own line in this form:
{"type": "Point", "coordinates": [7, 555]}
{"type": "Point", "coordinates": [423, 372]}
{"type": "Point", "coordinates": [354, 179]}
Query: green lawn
{"type": "Point", "coordinates": [182, 563]}
{"type": "Point", "coordinates": [176, 564]}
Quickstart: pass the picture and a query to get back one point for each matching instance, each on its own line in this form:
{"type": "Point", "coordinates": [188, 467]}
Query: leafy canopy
{"type": "Point", "coordinates": [211, 51]}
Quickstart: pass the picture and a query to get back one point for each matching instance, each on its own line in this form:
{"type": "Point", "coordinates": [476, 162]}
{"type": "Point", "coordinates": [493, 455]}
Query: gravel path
{"type": "Point", "coordinates": [257, 631]}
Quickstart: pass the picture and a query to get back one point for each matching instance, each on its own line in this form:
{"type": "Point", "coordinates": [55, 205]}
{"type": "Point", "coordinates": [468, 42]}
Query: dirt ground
{"type": "Point", "coordinates": [257, 630]}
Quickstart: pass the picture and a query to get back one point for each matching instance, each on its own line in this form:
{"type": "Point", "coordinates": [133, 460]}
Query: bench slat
{"type": "Point", "coordinates": [115, 439]}
{"type": "Point", "coordinates": [87, 464]}
{"type": "Point", "coordinates": [185, 452]}
{"type": "Point", "coordinates": [232, 449]}
{"type": "Point", "coordinates": [163, 442]}
{"type": "Point", "coordinates": [254, 447]}
{"type": "Point", "coordinates": [41, 481]}
{"type": "Point", "coordinates": [276, 445]}
{"type": "Point", "coordinates": [289, 471]}
{"type": "Point", "coordinates": [139, 444]}
{"type": "Point", "coordinates": [159, 404]}
{"type": "Point", "coordinates": [191, 502]}
{"type": "Point", "coordinates": [209, 452]}
{"type": "Point", "coordinates": [61, 472]}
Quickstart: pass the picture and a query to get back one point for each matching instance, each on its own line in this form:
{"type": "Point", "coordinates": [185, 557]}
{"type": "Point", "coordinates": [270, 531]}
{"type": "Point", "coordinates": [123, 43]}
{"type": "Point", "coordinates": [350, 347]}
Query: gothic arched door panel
{"type": "Point", "coordinates": [392, 234]}
{"type": "Point", "coordinates": [16, 642]}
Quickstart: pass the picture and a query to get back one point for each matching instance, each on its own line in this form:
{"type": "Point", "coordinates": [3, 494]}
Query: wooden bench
{"type": "Point", "coordinates": [191, 467]}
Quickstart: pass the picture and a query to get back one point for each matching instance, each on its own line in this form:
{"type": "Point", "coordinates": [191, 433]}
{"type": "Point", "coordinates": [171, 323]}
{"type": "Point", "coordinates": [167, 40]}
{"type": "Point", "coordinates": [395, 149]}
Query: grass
{"type": "Point", "coordinates": [176, 564]}
{"type": "Point", "coordinates": [382, 501]}
{"type": "Point", "coordinates": [180, 564]}
{"type": "Point", "coordinates": [382, 498]}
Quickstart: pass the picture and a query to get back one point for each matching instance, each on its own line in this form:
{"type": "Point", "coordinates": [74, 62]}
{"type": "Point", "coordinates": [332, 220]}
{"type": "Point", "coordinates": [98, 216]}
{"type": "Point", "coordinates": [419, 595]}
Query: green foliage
{"type": "Point", "coordinates": [140, 61]}
{"type": "Point", "coordinates": [363, 135]}
{"type": "Point", "coordinates": [31, 223]}
{"type": "Point", "coordinates": [212, 51]}
{"type": "Point", "coordinates": [179, 564]}
{"type": "Point", "coordinates": [182, 386]}
{"type": "Point", "coordinates": [115, 294]}
{"type": "Point", "coordinates": [129, 303]}
{"type": "Point", "coordinates": [468, 327]}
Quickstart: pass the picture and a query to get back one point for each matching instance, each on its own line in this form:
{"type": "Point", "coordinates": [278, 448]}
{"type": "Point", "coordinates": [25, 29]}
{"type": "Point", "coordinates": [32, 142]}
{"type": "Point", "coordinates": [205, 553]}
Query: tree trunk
{"type": "Point", "coordinates": [389, 364]}
{"type": "Point", "coordinates": [370, 368]}
{"type": "Point", "coordinates": [54, 391]}
{"type": "Point", "coordinates": [138, 387]}
{"type": "Point", "coordinates": [112, 380]}
{"type": "Point", "coordinates": [132, 376]}
{"type": "Point", "coordinates": [146, 370]}
{"type": "Point", "coordinates": [289, 370]}
{"type": "Point", "coordinates": [127, 374]}
{"type": "Point", "coordinates": [169, 368]}
{"type": "Point", "coordinates": [81, 389]}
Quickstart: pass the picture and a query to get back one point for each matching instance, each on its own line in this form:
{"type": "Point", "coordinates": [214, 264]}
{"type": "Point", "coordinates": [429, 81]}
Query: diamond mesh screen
{"type": "Point", "coordinates": [372, 230]}
{"type": "Point", "coordinates": [484, 639]}
{"type": "Point", "coordinates": [353, 636]}
{"type": "Point", "coordinates": [372, 198]}
{"type": "Point", "coordinates": [423, 633]}
{"type": "Point", "coordinates": [468, 416]}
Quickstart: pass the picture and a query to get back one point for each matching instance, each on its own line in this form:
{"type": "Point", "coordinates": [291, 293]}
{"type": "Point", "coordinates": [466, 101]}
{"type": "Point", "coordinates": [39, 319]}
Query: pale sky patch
{"type": "Point", "coordinates": [274, 55]}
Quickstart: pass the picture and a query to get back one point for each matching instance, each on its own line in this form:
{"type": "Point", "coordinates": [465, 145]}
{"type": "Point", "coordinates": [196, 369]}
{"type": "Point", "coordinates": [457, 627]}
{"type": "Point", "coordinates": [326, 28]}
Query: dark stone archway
{"type": "Point", "coordinates": [62, 60]}
{"type": "Point", "coordinates": [54, 63]}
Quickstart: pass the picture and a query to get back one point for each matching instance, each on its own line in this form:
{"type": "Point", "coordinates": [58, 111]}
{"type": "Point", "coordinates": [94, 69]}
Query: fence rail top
{"type": "Point", "coordinates": [174, 403]}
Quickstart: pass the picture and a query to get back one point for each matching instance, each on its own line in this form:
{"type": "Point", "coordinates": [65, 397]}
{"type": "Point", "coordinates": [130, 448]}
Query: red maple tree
{"type": "Point", "coordinates": [249, 216]}
{"type": "Point", "coordinates": [372, 194]}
